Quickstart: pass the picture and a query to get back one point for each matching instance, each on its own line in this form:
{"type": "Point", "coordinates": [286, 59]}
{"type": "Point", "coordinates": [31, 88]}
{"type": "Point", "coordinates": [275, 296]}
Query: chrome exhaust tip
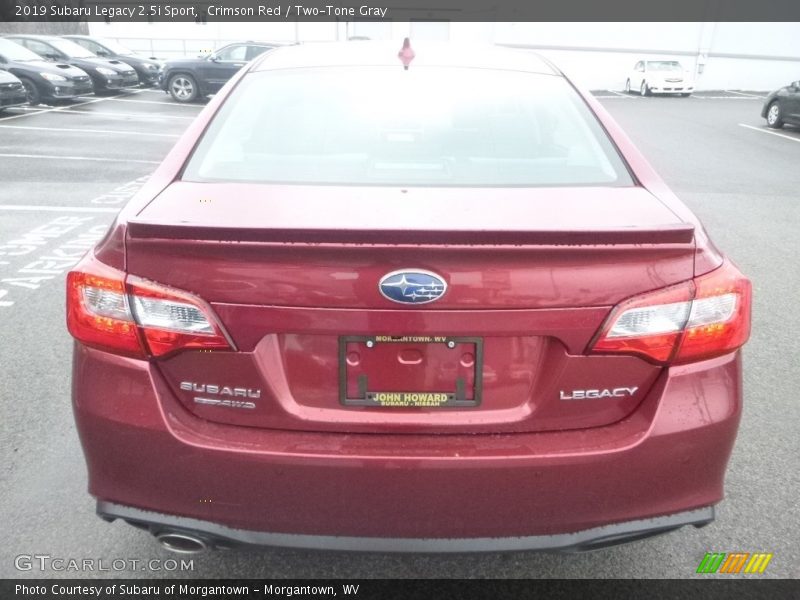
{"type": "Point", "coordinates": [182, 543]}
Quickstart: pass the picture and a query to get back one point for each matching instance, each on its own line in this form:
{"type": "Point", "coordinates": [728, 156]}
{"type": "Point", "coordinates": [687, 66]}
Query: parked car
{"type": "Point", "coordinates": [107, 75]}
{"type": "Point", "coordinates": [659, 77]}
{"type": "Point", "coordinates": [783, 106]}
{"type": "Point", "coordinates": [186, 79]}
{"type": "Point", "coordinates": [446, 308]}
{"type": "Point", "coordinates": [12, 92]}
{"type": "Point", "coordinates": [44, 81]}
{"type": "Point", "coordinates": [147, 69]}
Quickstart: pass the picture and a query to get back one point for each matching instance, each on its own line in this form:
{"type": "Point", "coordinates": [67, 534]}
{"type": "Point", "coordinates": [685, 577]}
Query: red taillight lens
{"type": "Point", "coordinates": [691, 321]}
{"type": "Point", "coordinates": [136, 317]}
{"type": "Point", "coordinates": [720, 318]}
{"type": "Point", "coordinates": [97, 309]}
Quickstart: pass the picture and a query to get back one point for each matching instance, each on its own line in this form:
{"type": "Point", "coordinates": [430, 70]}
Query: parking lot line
{"type": "Point", "coordinates": [91, 158]}
{"type": "Point", "coordinates": [36, 111]}
{"type": "Point", "coordinates": [126, 115]}
{"type": "Point", "coordinates": [31, 207]}
{"type": "Point", "coordinates": [156, 102]}
{"type": "Point", "coordinates": [70, 130]}
{"type": "Point", "coordinates": [762, 130]}
{"type": "Point", "coordinates": [743, 94]}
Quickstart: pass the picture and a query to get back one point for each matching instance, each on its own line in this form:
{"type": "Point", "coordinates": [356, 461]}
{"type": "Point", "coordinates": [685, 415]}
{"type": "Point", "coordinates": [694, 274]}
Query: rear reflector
{"type": "Point", "coordinates": [136, 317]}
{"type": "Point", "coordinates": [692, 321]}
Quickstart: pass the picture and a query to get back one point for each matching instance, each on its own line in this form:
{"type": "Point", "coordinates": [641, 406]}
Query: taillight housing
{"type": "Point", "coordinates": [695, 320]}
{"type": "Point", "coordinates": [132, 316]}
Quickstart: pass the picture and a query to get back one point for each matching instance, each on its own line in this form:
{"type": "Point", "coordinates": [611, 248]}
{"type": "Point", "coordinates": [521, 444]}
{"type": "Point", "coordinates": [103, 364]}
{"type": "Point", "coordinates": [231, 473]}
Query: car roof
{"type": "Point", "coordinates": [368, 53]}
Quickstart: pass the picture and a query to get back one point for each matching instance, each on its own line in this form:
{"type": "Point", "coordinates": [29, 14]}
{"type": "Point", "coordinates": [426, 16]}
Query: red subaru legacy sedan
{"type": "Point", "coordinates": [446, 307]}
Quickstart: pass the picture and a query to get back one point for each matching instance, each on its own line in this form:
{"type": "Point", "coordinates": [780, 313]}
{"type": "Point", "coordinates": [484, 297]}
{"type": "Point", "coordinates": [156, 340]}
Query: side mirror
{"type": "Point", "coordinates": [51, 56]}
{"type": "Point", "coordinates": [3, 60]}
{"type": "Point", "coordinates": [796, 85]}
{"type": "Point", "coordinates": [213, 58]}
{"type": "Point", "coordinates": [103, 53]}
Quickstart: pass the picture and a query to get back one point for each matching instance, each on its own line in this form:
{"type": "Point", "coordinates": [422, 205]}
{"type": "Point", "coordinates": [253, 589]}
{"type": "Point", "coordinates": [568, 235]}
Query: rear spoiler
{"type": "Point", "coordinates": [680, 233]}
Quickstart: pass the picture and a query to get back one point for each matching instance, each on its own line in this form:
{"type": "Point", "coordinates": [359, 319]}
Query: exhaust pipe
{"type": "Point", "coordinates": [182, 543]}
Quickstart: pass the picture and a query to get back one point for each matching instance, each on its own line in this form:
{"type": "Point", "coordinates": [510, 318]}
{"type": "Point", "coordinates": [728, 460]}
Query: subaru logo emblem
{"type": "Point", "coordinates": [412, 286]}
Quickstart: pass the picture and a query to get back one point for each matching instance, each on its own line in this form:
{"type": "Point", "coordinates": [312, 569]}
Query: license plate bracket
{"type": "Point", "coordinates": [413, 371]}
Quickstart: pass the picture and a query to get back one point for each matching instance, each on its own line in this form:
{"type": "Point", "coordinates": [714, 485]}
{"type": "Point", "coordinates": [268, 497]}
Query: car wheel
{"type": "Point", "coordinates": [685, 95]}
{"type": "Point", "coordinates": [644, 90]}
{"type": "Point", "coordinates": [774, 115]}
{"type": "Point", "coordinates": [182, 88]}
{"type": "Point", "coordinates": [34, 97]}
{"type": "Point", "coordinates": [627, 86]}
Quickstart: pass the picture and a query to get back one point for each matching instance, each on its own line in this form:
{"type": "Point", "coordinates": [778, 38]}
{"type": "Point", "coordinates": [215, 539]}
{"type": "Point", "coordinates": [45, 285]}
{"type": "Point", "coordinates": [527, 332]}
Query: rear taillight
{"type": "Point", "coordinates": [136, 317]}
{"type": "Point", "coordinates": [97, 309]}
{"type": "Point", "coordinates": [691, 321]}
{"type": "Point", "coordinates": [172, 319]}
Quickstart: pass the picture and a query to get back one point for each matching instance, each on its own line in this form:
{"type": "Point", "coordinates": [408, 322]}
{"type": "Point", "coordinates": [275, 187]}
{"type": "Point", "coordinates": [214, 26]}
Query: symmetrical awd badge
{"type": "Point", "coordinates": [412, 286]}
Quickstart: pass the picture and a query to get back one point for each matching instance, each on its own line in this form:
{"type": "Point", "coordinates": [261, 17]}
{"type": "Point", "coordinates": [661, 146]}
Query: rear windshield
{"type": "Point", "coordinates": [388, 127]}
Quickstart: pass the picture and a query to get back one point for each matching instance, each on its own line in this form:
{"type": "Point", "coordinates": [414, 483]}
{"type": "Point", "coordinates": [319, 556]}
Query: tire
{"type": "Point", "coordinates": [31, 91]}
{"type": "Point", "coordinates": [183, 87]}
{"type": "Point", "coordinates": [644, 89]}
{"type": "Point", "coordinates": [685, 95]}
{"type": "Point", "coordinates": [774, 116]}
{"type": "Point", "coordinates": [627, 86]}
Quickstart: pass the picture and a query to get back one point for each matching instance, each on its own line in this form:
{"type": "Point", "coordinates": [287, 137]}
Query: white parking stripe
{"type": "Point", "coordinates": [37, 111]}
{"type": "Point", "coordinates": [762, 130]}
{"type": "Point", "coordinates": [92, 209]}
{"type": "Point", "coordinates": [197, 106]}
{"type": "Point", "coordinates": [69, 130]}
{"type": "Point", "coordinates": [90, 158]}
{"type": "Point", "coordinates": [126, 115]}
{"type": "Point", "coordinates": [743, 94]}
{"type": "Point", "coordinates": [68, 106]}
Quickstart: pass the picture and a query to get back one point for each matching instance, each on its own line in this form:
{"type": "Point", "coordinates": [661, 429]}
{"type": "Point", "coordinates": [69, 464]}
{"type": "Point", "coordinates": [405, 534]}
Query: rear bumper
{"type": "Point", "coordinates": [216, 535]}
{"type": "Point", "coordinates": [670, 89]}
{"type": "Point", "coordinates": [659, 468]}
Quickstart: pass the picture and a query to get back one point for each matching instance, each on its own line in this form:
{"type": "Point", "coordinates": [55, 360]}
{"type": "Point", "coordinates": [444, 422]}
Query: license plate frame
{"type": "Point", "coordinates": [463, 396]}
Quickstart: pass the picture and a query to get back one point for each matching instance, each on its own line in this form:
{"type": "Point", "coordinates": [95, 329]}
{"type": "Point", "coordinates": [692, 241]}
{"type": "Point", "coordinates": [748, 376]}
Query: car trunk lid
{"type": "Point", "coordinates": [531, 274]}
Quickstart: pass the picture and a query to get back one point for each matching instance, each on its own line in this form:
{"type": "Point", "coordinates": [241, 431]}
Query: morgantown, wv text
{"type": "Point", "coordinates": [181, 590]}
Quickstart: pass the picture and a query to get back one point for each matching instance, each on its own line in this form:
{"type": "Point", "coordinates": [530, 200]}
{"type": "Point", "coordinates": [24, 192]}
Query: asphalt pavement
{"type": "Point", "coordinates": [64, 172]}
